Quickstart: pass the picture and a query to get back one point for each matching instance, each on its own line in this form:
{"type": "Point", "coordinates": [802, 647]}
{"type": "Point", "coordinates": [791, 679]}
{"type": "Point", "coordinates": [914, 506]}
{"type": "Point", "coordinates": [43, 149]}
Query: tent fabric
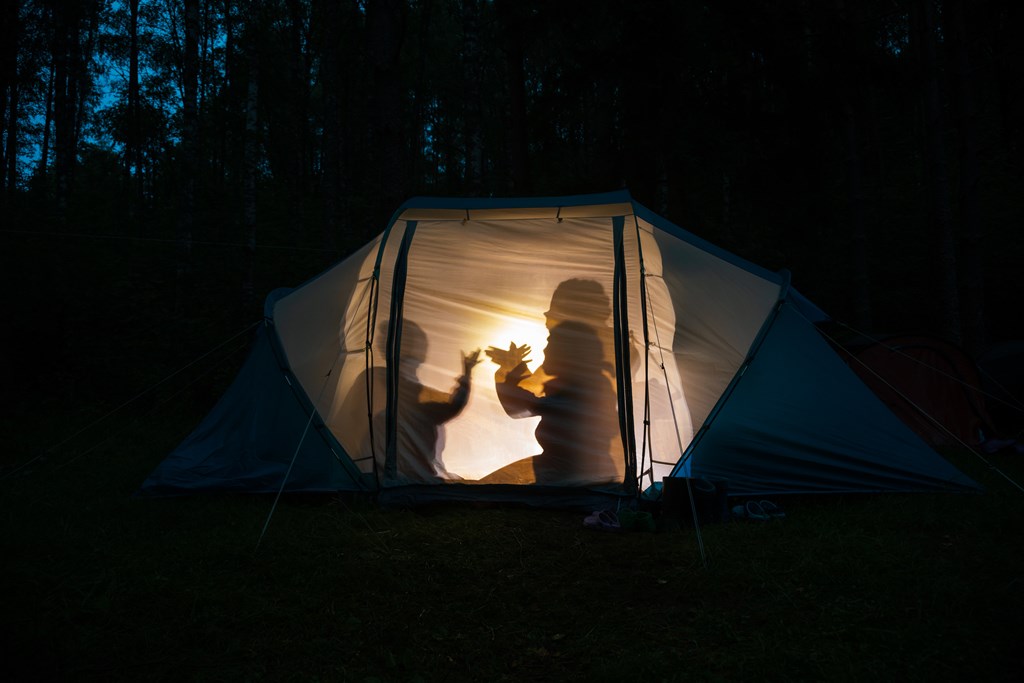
{"type": "Point", "coordinates": [931, 384]}
{"type": "Point", "coordinates": [798, 422]}
{"type": "Point", "coordinates": [546, 349]}
{"type": "Point", "coordinates": [250, 437]}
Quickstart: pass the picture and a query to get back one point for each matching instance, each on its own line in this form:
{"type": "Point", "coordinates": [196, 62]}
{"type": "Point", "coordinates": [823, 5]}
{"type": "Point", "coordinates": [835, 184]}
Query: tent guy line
{"type": "Point", "coordinates": [131, 400]}
{"type": "Point", "coordinates": [159, 404]}
{"type": "Point", "coordinates": [1017, 404]}
{"type": "Point", "coordinates": [924, 413]}
{"type": "Point", "coordinates": [298, 446]}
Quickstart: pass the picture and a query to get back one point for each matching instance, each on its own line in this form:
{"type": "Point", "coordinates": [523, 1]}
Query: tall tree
{"type": "Point", "coordinates": [66, 55]}
{"type": "Point", "coordinates": [421, 95]}
{"type": "Point", "coordinates": [940, 213]}
{"type": "Point", "coordinates": [133, 138]}
{"type": "Point", "coordinates": [44, 147]}
{"type": "Point", "coordinates": [75, 25]}
{"type": "Point", "coordinates": [385, 33]}
{"type": "Point", "coordinates": [9, 32]}
{"type": "Point", "coordinates": [286, 85]}
{"type": "Point", "coordinates": [473, 116]}
{"type": "Point", "coordinates": [847, 52]}
{"type": "Point", "coordinates": [960, 31]}
{"type": "Point", "coordinates": [188, 167]}
{"type": "Point", "coordinates": [514, 18]}
{"type": "Point", "coordinates": [9, 93]}
{"type": "Point", "coordinates": [335, 34]}
{"type": "Point", "coordinates": [250, 162]}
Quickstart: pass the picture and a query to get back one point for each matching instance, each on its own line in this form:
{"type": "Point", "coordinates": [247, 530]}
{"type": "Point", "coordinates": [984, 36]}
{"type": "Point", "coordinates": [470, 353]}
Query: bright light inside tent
{"type": "Point", "coordinates": [519, 332]}
{"type": "Point", "coordinates": [488, 300]}
{"type": "Point", "coordinates": [471, 449]}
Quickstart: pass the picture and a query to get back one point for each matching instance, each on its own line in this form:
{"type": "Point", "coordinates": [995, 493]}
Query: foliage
{"type": "Point", "coordinates": [726, 116]}
{"type": "Point", "coordinates": [793, 133]}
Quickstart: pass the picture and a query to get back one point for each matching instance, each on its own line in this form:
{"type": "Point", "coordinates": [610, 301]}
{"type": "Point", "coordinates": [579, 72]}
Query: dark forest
{"type": "Point", "coordinates": [183, 158]}
{"type": "Point", "coordinates": [167, 164]}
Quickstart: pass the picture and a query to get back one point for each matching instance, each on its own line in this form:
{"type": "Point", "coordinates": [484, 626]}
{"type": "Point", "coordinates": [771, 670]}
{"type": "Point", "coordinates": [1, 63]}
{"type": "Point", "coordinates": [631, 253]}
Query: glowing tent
{"type": "Point", "coordinates": [651, 353]}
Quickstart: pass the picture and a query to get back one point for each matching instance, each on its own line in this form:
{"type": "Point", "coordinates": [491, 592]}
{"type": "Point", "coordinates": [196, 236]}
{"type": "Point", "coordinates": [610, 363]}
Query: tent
{"type": "Point", "coordinates": [652, 354]}
{"type": "Point", "coordinates": [931, 384]}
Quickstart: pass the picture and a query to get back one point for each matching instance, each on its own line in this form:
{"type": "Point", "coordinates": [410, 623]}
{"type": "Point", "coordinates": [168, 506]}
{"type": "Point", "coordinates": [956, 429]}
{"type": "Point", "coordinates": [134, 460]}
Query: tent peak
{"type": "Point", "coordinates": [472, 203]}
{"type": "Point", "coordinates": [603, 205]}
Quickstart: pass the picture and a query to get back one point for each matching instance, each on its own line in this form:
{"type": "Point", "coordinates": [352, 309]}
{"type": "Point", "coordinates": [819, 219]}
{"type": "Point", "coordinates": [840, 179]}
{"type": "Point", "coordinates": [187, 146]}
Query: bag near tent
{"type": "Point", "coordinates": [549, 351]}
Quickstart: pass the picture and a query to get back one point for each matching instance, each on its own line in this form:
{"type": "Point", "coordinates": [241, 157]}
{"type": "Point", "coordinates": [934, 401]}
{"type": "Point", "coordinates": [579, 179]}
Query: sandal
{"type": "Point", "coordinates": [755, 511]}
{"type": "Point", "coordinates": [772, 510]}
{"type": "Point", "coordinates": [751, 510]}
{"type": "Point", "coordinates": [603, 520]}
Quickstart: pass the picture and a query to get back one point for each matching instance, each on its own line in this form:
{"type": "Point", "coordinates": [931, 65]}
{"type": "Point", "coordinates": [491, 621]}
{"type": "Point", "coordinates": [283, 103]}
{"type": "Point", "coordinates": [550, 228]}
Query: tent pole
{"type": "Point", "coordinates": [723, 399]}
{"type": "Point", "coordinates": [622, 361]}
{"type": "Point", "coordinates": [393, 352]}
{"type": "Point", "coordinates": [647, 308]}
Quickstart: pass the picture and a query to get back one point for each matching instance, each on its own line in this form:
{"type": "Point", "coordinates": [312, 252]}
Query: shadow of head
{"type": "Point", "coordinates": [579, 299]}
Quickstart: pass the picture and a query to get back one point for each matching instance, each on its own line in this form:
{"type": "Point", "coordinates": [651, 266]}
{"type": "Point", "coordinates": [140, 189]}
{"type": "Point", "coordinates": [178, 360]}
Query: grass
{"type": "Point", "coordinates": [101, 586]}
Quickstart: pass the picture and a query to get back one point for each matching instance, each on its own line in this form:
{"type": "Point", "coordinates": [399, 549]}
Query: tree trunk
{"type": "Point", "coordinates": [8, 88]}
{"type": "Point", "coordinates": [473, 117]}
{"type": "Point", "coordinates": [85, 44]}
{"type": "Point", "coordinates": [937, 172]}
{"type": "Point", "coordinates": [605, 171]}
{"type": "Point", "coordinates": [1006, 56]}
{"type": "Point", "coordinates": [858, 223]}
{"type": "Point", "coordinates": [208, 34]}
{"type": "Point", "coordinates": [850, 45]}
{"type": "Point", "coordinates": [250, 167]}
{"type": "Point", "coordinates": [226, 120]}
{"type": "Point", "coordinates": [44, 151]}
{"type": "Point", "coordinates": [416, 165]}
{"type": "Point", "coordinates": [299, 160]}
{"type": "Point", "coordinates": [65, 35]}
{"type": "Point", "coordinates": [972, 261]}
{"type": "Point", "coordinates": [133, 148]}
{"type": "Point", "coordinates": [189, 138]}
{"type": "Point", "coordinates": [72, 46]}
{"type": "Point", "coordinates": [519, 144]}
{"type": "Point", "coordinates": [663, 136]}
{"type": "Point", "coordinates": [11, 152]}
{"type": "Point", "coordinates": [726, 229]}
{"type": "Point", "coordinates": [385, 27]}
{"type": "Point", "coordinates": [334, 47]}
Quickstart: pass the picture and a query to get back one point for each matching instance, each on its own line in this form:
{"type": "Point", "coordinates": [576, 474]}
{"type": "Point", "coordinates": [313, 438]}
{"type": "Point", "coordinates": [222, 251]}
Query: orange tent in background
{"type": "Point", "coordinates": [931, 384]}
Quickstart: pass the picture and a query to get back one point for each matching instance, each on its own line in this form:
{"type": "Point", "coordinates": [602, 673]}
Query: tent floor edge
{"type": "Point", "coordinates": [414, 495]}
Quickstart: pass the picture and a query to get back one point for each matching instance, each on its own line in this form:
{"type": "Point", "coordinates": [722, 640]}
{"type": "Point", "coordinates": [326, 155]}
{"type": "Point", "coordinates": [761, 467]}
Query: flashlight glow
{"type": "Point", "coordinates": [518, 331]}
